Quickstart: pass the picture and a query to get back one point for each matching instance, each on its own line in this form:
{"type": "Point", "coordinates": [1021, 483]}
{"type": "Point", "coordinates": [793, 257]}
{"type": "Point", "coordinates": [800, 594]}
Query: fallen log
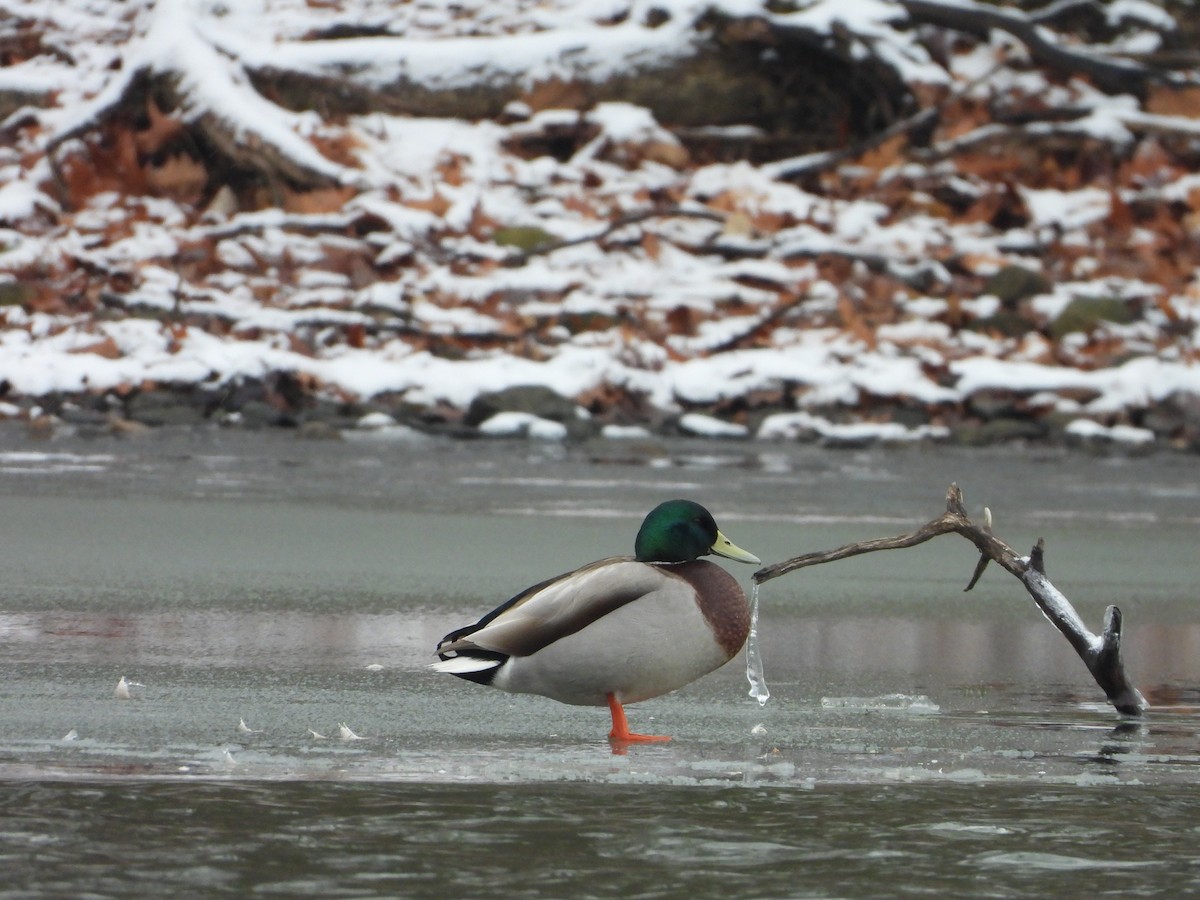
{"type": "Point", "coordinates": [1101, 653]}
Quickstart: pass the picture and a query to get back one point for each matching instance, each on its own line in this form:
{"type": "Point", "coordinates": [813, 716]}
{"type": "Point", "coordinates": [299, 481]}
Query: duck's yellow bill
{"type": "Point", "coordinates": [727, 548]}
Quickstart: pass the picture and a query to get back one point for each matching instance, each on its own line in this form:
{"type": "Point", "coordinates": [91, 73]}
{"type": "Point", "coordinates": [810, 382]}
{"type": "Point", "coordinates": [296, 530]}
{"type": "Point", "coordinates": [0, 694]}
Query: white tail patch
{"type": "Point", "coordinates": [462, 665]}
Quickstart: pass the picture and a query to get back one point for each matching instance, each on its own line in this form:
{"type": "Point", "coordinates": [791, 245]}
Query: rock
{"type": "Point", "coordinates": [1012, 284]}
{"type": "Point", "coordinates": [993, 403]}
{"type": "Point", "coordinates": [42, 426]}
{"type": "Point", "coordinates": [278, 401]}
{"type": "Point", "coordinates": [534, 400]}
{"type": "Point", "coordinates": [997, 431]}
{"type": "Point", "coordinates": [123, 427]}
{"type": "Point", "coordinates": [84, 415]}
{"type": "Point", "coordinates": [318, 430]}
{"type": "Point", "coordinates": [523, 237]}
{"type": "Point", "coordinates": [1089, 434]}
{"type": "Point", "coordinates": [374, 421]}
{"type": "Point", "coordinates": [849, 441]}
{"type": "Point", "coordinates": [335, 414]}
{"type": "Point", "coordinates": [165, 406]}
{"type": "Point", "coordinates": [1085, 313]}
{"type": "Point", "coordinates": [257, 414]}
{"type": "Point", "coordinates": [910, 415]}
{"type": "Point", "coordinates": [701, 425]}
{"type": "Point", "coordinates": [1176, 418]}
{"type": "Point", "coordinates": [1005, 323]}
{"type": "Point", "coordinates": [523, 424]}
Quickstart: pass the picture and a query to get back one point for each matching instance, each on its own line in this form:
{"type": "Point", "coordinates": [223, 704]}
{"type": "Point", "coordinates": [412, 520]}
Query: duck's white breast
{"type": "Point", "coordinates": [645, 648]}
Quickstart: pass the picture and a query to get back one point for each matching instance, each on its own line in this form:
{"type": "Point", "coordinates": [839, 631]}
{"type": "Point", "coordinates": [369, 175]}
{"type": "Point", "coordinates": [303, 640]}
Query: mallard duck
{"type": "Point", "coordinates": [618, 630]}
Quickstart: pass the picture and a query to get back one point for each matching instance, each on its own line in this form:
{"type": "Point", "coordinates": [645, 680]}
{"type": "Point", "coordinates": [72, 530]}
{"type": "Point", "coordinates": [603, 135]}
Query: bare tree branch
{"type": "Point", "coordinates": [1100, 653]}
{"type": "Point", "coordinates": [1111, 74]}
{"type": "Point", "coordinates": [622, 221]}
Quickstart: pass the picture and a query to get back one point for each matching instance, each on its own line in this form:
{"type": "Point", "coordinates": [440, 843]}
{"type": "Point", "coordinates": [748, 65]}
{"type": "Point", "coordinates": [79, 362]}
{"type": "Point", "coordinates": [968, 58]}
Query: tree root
{"type": "Point", "coordinates": [205, 97]}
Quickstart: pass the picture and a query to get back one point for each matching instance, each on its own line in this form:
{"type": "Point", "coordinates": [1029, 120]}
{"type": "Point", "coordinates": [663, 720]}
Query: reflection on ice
{"type": "Point", "coordinates": [963, 828]}
{"type": "Point", "coordinates": [25, 463]}
{"type": "Point", "coordinates": [1053, 862]}
{"type": "Point", "coordinates": [917, 705]}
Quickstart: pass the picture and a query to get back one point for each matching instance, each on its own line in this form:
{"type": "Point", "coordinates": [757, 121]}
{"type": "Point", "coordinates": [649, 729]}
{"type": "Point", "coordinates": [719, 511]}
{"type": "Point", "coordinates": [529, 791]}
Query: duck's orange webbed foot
{"type": "Point", "coordinates": [620, 733]}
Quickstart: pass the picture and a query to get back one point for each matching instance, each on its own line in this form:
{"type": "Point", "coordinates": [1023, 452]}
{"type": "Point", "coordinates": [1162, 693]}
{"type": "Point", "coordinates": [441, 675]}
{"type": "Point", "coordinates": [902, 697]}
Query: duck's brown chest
{"type": "Point", "coordinates": [721, 600]}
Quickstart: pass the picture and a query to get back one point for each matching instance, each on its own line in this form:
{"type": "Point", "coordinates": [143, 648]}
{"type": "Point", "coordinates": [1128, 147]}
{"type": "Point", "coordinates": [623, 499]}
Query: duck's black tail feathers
{"type": "Point", "coordinates": [466, 660]}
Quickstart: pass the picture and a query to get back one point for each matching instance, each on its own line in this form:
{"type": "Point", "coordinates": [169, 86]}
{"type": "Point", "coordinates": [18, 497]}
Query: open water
{"type": "Point", "coordinates": [273, 603]}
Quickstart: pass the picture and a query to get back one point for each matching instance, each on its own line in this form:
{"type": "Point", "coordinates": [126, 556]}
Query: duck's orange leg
{"type": "Point", "coordinates": [620, 731]}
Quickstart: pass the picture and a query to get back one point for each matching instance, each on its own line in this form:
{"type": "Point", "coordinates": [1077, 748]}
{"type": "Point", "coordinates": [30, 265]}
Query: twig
{"type": "Point", "coordinates": [631, 218]}
{"type": "Point", "coordinates": [1100, 653]}
{"type": "Point", "coordinates": [814, 163]}
{"type": "Point", "coordinates": [1062, 128]}
{"type": "Point", "coordinates": [766, 323]}
{"type": "Point", "coordinates": [1111, 74]}
{"type": "Point", "coordinates": [1114, 74]}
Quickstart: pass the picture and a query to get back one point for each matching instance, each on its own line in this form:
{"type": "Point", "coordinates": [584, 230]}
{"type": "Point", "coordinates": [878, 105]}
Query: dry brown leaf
{"type": "Point", "coordinates": [632, 153]}
{"type": "Point", "coordinates": [726, 202]}
{"type": "Point", "coordinates": [887, 154]}
{"type": "Point", "coordinates": [738, 224]}
{"type": "Point", "coordinates": [668, 153]}
{"type": "Point", "coordinates": [180, 178]}
{"type": "Point", "coordinates": [162, 130]}
{"type": "Point", "coordinates": [105, 347]}
{"type": "Point", "coordinates": [954, 311]}
{"type": "Point", "coordinates": [989, 165]}
{"type": "Point", "coordinates": [111, 164]}
{"type": "Point", "coordinates": [1120, 219]}
{"type": "Point", "coordinates": [481, 226]}
{"type": "Point", "coordinates": [681, 320]}
{"type": "Point", "coordinates": [772, 222]}
{"type": "Point", "coordinates": [997, 206]}
{"type": "Point", "coordinates": [485, 267]}
{"type": "Point", "coordinates": [962, 118]}
{"type": "Point", "coordinates": [435, 203]}
{"type": "Point", "coordinates": [298, 345]}
{"type": "Point", "coordinates": [651, 245]}
{"type": "Point", "coordinates": [581, 205]}
{"type": "Point", "coordinates": [1150, 164]}
{"type": "Point", "coordinates": [1166, 306]}
{"type": "Point", "coordinates": [451, 168]}
{"type": "Point", "coordinates": [853, 322]}
{"type": "Point", "coordinates": [1163, 100]}
{"type": "Point", "coordinates": [340, 146]}
{"type": "Point", "coordinates": [555, 93]}
{"type": "Point", "coordinates": [318, 200]}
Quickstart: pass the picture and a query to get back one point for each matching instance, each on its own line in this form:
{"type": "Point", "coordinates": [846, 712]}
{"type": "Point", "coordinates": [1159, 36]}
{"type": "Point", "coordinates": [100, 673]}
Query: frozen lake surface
{"type": "Point", "coordinates": [259, 592]}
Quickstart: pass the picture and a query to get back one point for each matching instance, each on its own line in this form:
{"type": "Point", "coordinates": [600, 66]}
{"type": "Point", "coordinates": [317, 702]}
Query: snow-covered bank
{"type": "Point", "coordinates": [991, 283]}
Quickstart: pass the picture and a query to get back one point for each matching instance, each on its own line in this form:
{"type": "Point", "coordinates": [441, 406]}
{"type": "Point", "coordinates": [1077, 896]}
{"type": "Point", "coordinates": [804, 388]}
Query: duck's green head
{"type": "Point", "coordinates": [680, 530]}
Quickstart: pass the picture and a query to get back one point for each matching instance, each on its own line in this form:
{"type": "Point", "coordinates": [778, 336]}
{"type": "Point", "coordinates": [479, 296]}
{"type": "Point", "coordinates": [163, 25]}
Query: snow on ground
{"type": "Point", "coordinates": [852, 306]}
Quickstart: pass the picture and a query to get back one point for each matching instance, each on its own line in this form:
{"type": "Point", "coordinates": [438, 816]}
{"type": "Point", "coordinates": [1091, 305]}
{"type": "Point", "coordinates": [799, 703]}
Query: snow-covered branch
{"type": "Point", "coordinates": [1110, 73]}
{"type": "Point", "coordinates": [1100, 653]}
{"type": "Point", "coordinates": [177, 62]}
